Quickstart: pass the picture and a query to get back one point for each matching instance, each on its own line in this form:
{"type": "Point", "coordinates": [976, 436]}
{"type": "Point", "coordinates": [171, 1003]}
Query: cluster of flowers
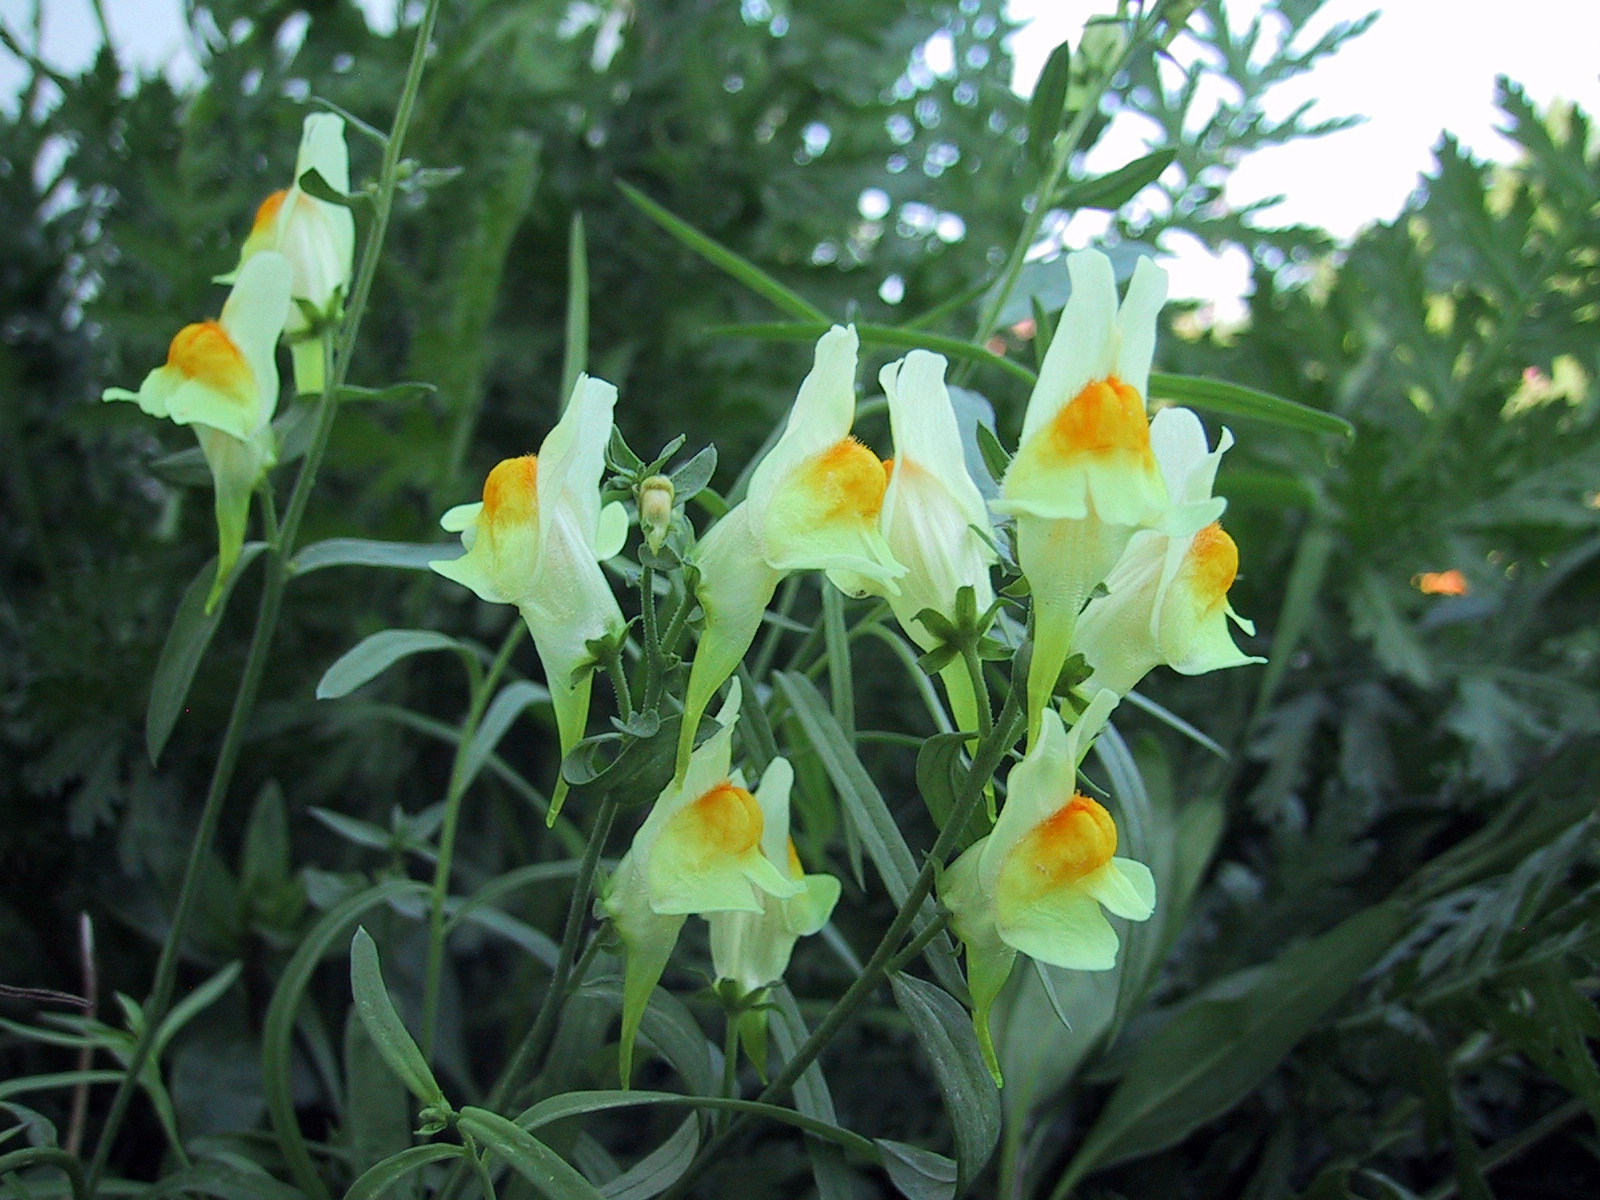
{"type": "Point", "coordinates": [221, 376]}
{"type": "Point", "coordinates": [1101, 495]}
{"type": "Point", "coordinates": [1116, 534]}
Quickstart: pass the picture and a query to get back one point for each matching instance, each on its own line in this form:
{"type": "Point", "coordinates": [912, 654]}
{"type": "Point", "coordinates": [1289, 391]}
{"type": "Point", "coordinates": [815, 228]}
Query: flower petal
{"type": "Point", "coordinates": [1136, 324]}
{"type": "Point", "coordinates": [1085, 348]}
{"type": "Point", "coordinates": [1125, 887]}
{"type": "Point", "coordinates": [822, 414]}
{"type": "Point", "coordinates": [1064, 928]}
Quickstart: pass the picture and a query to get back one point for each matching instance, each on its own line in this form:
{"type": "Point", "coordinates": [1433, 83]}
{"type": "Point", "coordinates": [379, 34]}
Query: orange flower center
{"type": "Point", "coordinates": [510, 494]}
{"type": "Point", "coordinates": [267, 214]}
{"type": "Point", "coordinates": [1077, 839]}
{"type": "Point", "coordinates": [845, 482]}
{"type": "Point", "coordinates": [1211, 565]}
{"type": "Point", "coordinates": [206, 353]}
{"type": "Point", "coordinates": [1106, 415]}
{"type": "Point", "coordinates": [796, 870]}
{"type": "Point", "coordinates": [727, 819]}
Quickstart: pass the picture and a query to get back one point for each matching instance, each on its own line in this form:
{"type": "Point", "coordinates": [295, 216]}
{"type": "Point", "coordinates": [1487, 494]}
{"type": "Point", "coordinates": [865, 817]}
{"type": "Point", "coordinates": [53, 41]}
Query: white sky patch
{"type": "Point", "coordinates": [1422, 68]}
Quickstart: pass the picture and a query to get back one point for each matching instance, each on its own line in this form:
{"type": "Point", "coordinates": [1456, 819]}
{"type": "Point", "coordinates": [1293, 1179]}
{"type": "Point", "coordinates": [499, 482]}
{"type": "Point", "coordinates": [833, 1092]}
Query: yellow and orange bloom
{"type": "Point", "coordinates": [813, 504]}
{"type": "Point", "coordinates": [753, 948]}
{"type": "Point", "coordinates": [1166, 600]}
{"type": "Point", "coordinates": [701, 850]}
{"type": "Point", "coordinates": [933, 513]}
{"type": "Point", "coordinates": [317, 237]}
{"type": "Point", "coordinates": [1037, 883]}
{"type": "Point", "coordinates": [1084, 477]}
{"type": "Point", "coordinates": [221, 377]}
{"type": "Point", "coordinates": [537, 539]}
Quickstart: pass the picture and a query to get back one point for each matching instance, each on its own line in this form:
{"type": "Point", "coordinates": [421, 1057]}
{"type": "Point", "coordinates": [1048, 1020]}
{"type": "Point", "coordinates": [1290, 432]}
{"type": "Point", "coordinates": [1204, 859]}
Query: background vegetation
{"type": "Point", "coordinates": [1377, 974]}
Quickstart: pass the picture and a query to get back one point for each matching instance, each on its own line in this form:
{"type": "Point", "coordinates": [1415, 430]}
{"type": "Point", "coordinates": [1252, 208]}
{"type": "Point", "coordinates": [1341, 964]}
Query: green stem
{"type": "Point", "coordinates": [990, 755]}
{"type": "Point", "coordinates": [650, 628]}
{"type": "Point", "coordinates": [918, 944]}
{"type": "Point", "coordinates": [1066, 145]}
{"type": "Point", "coordinates": [482, 691]}
{"type": "Point", "coordinates": [980, 689]}
{"type": "Point", "coordinates": [618, 672]}
{"type": "Point", "coordinates": [277, 574]}
{"type": "Point", "coordinates": [730, 1061]}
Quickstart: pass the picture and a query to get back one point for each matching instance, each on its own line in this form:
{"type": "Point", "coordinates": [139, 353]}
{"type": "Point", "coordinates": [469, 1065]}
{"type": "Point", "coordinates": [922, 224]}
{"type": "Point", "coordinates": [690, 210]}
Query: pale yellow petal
{"type": "Point", "coordinates": [1125, 887]}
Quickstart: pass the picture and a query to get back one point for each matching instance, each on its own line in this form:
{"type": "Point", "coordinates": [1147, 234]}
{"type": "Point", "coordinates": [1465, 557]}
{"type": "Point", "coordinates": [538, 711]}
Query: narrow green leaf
{"type": "Point", "coordinates": [360, 552]}
{"type": "Point", "coordinates": [1235, 400]}
{"type": "Point", "coordinates": [264, 865]}
{"type": "Point", "coordinates": [278, 1028]}
{"type": "Point", "coordinates": [373, 655]}
{"type": "Point", "coordinates": [192, 1005]}
{"type": "Point", "coordinates": [918, 1174]}
{"type": "Point", "coordinates": [510, 703]}
{"type": "Point", "coordinates": [787, 1025]}
{"type": "Point", "coordinates": [313, 184]}
{"type": "Point", "coordinates": [191, 632]}
{"type": "Point", "coordinates": [550, 1174]}
{"type": "Point", "coordinates": [880, 335]}
{"type": "Point", "coordinates": [382, 1181]}
{"type": "Point", "coordinates": [971, 1100]}
{"type": "Point", "coordinates": [660, 1169]}
{"type": "Point", "coordinates": [1046, 105]}
{"type": "Point", "coordinates": [574, 1104]}
{"type": "Point", "coordinates": [690, 479]}
{"type": "Point", "coordinates": [223, 1180]}
{"type": "Point", "coordinates": [1300, 593]}
{"type": "Point", "coordinates": [742, 269]}
{"type": "Point", "coordinates": [1044, 331]}
{"type": "Point", "coordinates": [575, 359]}
{"type": "Point", "coordinates": [1222, 1044]}
{"type": "Point", "coordinates": [46, 1156]}
{"type": "Point", "coordinates": [995, 456]}
{"type": "Point", "coordinates": [350, 119]}
{"type": "Point", "coordinates": [395, 393]}
{"type": "Point", "coordinates": [376, 1116]}
{"type": "Point", "coordinates": [1111, 192]}
{"type": "Point", "coordinates": [60, 1079]}
{"type": "Point", "coordinates": [836, 640]}
{"type": "Point", "coordinates": [383, 1024]}
{"type": "Point", "coordinates": [1173, 721]}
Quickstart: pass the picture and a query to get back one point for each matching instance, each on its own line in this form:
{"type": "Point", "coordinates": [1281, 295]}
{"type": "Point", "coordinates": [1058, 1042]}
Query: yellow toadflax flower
{"type": "Point", "coordinates": [699, 851]}
{"type": "Point", "coordinates": [1037, 882]}
{"type": "Point", "coordinates": [318, 239]}
{"type": "Point", "coordinates": [753, 948]}
{"type": "Point", "coordinates": [812, 504]}
{"type": "Point", "coordinates": [221, 377]}
{"type": "Point", "coordinates": [1166, 600]}
{"type": "Point", "coordinates": [537, 539]}
{"type": "Point", "coordinates": [1084, 477]}
{"type": "Point", "coordinates": [932, 513]}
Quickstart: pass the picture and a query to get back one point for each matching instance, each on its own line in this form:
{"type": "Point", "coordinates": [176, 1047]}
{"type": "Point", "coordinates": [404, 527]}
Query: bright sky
{"type": "Point", "coordinates": [1423, 67]}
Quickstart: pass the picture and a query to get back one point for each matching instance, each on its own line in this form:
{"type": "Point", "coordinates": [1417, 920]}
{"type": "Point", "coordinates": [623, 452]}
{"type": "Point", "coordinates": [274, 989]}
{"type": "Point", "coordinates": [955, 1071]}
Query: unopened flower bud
{"type": "Point", "coordinates": [1104, 39]}
{"type": "Point", "coordinates": [655, 509]}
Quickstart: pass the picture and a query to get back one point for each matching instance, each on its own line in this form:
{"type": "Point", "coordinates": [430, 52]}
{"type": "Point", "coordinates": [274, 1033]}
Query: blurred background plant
{"type": "Point", "coordinates": [1374, 969]}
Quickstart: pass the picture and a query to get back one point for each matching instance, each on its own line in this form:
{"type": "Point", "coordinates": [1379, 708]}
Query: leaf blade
{"type": "Point", "coordinates": [187, 640]}
{"type": "Point", "coordinates": [1232, 399]}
